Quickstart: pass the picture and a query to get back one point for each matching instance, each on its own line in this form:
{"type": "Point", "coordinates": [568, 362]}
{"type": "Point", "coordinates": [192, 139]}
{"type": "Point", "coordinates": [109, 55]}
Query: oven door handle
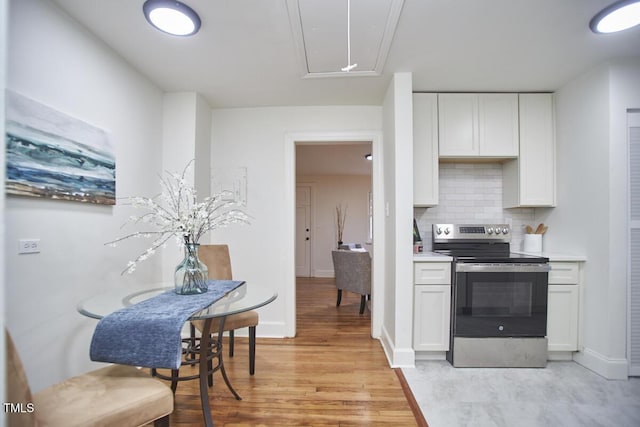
{"type": "Point", "coordinates": [502, 268]}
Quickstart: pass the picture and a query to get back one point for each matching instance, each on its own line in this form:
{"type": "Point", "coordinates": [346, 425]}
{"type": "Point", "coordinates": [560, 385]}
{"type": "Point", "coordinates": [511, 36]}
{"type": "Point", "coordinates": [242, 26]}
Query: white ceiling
{"type": "Point", "coordinates": [246, 54]}
{"type": "Point", "coordinates": [332, 34]}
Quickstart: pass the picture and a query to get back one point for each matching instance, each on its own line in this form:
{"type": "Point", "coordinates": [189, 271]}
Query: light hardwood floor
{"type": "Point", "coordinates": [331, 374]}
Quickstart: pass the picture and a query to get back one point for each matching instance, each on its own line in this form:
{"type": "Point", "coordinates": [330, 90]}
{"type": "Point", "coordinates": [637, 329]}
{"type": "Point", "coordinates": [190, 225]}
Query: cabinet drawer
{"type": "Point", "coordinates": [432, 273]}
{"type": "Point", "coordinates": [565, 273]}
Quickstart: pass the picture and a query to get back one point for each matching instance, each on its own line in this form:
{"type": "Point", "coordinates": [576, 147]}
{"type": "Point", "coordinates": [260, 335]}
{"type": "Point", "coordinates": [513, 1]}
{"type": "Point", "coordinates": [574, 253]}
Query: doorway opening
{"type": "Point", "coordinates": [313, 197]}
{"type": "Point", "coordinates": [331, 177]}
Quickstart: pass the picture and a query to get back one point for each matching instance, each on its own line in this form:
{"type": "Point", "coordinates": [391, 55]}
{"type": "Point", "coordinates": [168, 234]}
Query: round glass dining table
{"type": "Point", "coordinates": [245, 297]}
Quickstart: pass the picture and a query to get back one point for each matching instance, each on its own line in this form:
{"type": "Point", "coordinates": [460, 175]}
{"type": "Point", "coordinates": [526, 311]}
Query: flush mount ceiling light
{"type": "Point", "coordinates": [617, 17]}
{"type": "Point", "coordinates": [171, 17]}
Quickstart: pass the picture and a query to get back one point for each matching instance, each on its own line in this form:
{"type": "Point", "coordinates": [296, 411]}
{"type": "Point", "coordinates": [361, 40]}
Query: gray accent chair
{"type": "Point", "coordinates": [353, 273]}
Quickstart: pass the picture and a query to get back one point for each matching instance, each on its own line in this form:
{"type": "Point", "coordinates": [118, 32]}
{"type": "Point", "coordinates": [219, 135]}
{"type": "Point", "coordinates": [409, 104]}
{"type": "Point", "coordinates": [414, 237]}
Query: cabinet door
{"type": "Point", "coordinates": [458, 124]}
{"type": "Point", "coordinates": [562, 317]}
{"type": "Point", "coordinates": [498, 125]}
{"type": "Point", "coordinates": [537, 150]}
{"type": "Point", "coordinates": [432, 308]}
{"type": "Point", "coordinates": [425, 149]}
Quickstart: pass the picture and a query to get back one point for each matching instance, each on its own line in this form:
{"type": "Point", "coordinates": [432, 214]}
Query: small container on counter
{"type": "Point", "coordinates": [417, 247]}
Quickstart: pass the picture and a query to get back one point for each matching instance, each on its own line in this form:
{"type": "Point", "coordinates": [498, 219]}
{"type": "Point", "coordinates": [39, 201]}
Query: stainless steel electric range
{"type": "Point", "coordinates": [499, 298]}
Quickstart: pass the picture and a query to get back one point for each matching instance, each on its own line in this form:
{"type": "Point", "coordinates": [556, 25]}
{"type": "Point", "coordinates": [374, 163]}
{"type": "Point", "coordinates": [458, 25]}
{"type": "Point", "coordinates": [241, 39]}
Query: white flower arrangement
{"type": "Point", "coordinates": [177, 213]}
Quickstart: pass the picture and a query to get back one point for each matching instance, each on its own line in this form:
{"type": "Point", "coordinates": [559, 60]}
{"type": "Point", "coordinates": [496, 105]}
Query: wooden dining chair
{"type": "Point", "coordinates": [116, 395]}
{"type": "Point", "coordinates": [218, 261]}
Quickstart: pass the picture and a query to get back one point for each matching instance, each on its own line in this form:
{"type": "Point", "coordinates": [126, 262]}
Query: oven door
{"type": "Point", "coordinates": [500, 300]}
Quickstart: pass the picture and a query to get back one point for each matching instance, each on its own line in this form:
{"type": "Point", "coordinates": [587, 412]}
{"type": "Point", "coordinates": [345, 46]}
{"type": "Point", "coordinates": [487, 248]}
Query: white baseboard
{"type": "Point", "coordinates": [431, 355]}
{"type": "Point", "coordinates": [387, 347]}
{"type": "Point", "coordinates": [397, 357]}
{"type": "Point", "coordinates": [263, 330]}
{"type": "Point", "coordinates": [610, 368]}
{"type": "Point", "coordinates": [560, 355]}
{"type": "Point", "coordinates": [323, 273]}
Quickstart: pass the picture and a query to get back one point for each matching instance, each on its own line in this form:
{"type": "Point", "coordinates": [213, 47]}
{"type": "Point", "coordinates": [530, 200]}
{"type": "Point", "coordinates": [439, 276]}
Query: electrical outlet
{"type": "Point", "coordinates": [29, 246]}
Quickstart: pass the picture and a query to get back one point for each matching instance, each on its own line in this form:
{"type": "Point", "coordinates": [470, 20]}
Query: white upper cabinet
{"type": "Point", "coordinates": [458, 124]}
{"type": "Point", "coordinates": [498, 125]}
{"type": "Point", "coordinates": [531, 179]}
{"type": "Point", "coordinates": [425, 149]}
{"type": "Point", "coordinates": [478, 125]}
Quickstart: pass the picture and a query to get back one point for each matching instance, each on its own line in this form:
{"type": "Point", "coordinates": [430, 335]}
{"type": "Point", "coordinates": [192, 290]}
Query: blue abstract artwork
{"type": "Point", "coordinates": [50, 154]}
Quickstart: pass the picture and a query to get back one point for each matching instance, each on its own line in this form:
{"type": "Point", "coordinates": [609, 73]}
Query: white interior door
{"type": "Point", "coordinates": [303, 231]}
{"type": "Point", "coordinates": [634, 244]}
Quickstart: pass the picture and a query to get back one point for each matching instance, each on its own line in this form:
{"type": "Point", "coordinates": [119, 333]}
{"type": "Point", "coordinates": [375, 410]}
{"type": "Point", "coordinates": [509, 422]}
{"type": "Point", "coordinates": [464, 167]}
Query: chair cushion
{"type": "Point", "coordinates": [234, 321]}
{"type": "Point", "coordinates": [113, 396]}
{"type": "Point", "coordinates": [18, 390]}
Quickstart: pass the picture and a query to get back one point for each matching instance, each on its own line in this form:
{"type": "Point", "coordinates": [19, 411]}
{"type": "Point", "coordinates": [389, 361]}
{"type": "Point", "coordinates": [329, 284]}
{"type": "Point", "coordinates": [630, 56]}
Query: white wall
{"type": "Point", "coordinates": [256, 138]}
{"type": "Point", "coordinates": [590, 217]}
{"type": "Point", "coordinates": [58, 63]}
{"type": "Point", "coordinates": [397, 330]}
{"type": "Point", "coordinates": [352, 192]}
{"type": "Point", "coordinates": [3, 53]}
{"type": "Point", "coordinates": [186, 137]}
{"type": "Point", "coordinates": [389, 137]}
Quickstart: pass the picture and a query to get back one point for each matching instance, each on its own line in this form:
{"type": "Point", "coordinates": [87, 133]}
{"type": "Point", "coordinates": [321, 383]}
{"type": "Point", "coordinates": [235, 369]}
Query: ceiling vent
{"type": "Point", "coordinates": [320, 33]}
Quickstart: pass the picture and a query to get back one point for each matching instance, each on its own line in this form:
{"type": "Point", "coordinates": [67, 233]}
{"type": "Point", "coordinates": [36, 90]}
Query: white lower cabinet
{"type": "Point", "coordinates": [431, 306]}
{"type": "Point", "coordinates": [562, 317]}
{"type": "Point", "coordinates": [563, 307]}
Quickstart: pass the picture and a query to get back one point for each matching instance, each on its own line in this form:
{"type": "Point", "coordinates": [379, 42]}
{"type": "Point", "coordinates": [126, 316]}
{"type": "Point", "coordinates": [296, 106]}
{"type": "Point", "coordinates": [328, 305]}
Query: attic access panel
{"type": "Point", "coordinates": [320, 33]}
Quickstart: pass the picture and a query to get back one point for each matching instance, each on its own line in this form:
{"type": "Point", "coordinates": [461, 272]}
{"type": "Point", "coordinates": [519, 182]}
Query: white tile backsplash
{"type": "Point", "coordinates": [471, 193]}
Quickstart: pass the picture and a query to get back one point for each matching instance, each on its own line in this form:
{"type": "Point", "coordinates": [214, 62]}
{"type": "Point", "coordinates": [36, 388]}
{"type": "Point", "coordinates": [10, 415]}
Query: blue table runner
{"type": "Point", "coordinates": [149, 333]}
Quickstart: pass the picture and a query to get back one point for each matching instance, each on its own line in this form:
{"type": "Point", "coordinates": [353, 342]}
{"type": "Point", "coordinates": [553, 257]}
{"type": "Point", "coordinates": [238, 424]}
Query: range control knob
{"type": "Point", "coordinates": [489, 230]}
{"type": "Point", "coordinates": [439, 231]}
{"type": "Point", "coordinates": [498, 231]}
{"type": "Point", "coordinates": [446, 230]}
{"type": "Point", "coordinates": [505, 230]}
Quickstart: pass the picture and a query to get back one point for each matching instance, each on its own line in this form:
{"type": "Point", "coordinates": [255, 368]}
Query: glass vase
{"type": "Point", "coordinates": [191, 274]}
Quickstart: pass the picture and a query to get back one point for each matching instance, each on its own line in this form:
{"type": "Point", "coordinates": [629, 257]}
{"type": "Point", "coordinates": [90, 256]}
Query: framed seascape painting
{"type": "Point", "coordinates": [50, 154]}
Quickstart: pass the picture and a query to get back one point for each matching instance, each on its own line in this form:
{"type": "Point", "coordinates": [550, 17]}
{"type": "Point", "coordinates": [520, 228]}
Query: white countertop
{"type": "Point", "coordinates": [556, 256]}
{"type": "Point", "coordinates": [434, 257]}
{"type": "Point", "coordinates": [431, 257]}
